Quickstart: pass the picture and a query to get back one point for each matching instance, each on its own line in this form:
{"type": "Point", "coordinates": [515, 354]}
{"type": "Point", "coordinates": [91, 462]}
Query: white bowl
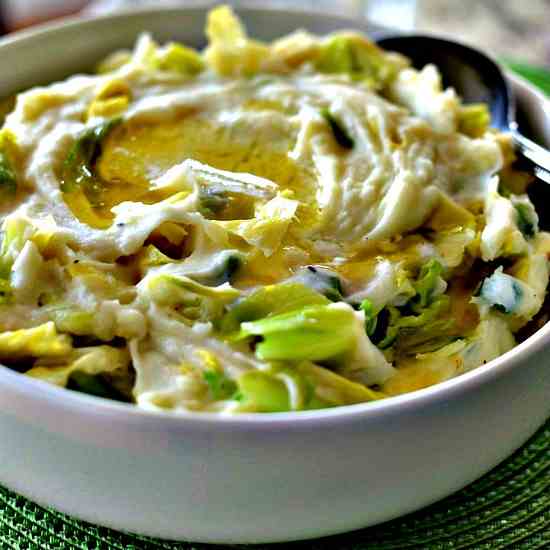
{"type": "Point", "coordinates": [253, 478]}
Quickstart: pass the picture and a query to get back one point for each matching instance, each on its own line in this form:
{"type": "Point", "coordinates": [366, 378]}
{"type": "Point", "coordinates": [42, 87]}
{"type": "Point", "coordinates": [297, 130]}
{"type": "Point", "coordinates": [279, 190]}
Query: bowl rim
{"type": "Point", "coordinates": [90, 406]}
{"type": "Point", "coordinates": [196, 6]}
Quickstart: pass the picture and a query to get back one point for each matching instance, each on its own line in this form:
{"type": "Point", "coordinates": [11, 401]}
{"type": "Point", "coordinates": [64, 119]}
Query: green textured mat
{"type": "Point", "coordinates": [507, 508]}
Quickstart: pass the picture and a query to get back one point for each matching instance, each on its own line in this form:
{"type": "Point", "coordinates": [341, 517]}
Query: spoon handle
{"type": "Point", "coordinates": [539, 156]}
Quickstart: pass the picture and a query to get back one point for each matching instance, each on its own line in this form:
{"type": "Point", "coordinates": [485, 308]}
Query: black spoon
{"type": "Point", "coordinates": [476, 78]}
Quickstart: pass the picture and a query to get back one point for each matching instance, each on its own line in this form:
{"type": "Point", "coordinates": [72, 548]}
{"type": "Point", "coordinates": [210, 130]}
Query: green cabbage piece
{"type": "Point", "coordinates": [260, 391]}
{"type": "Point", "coordinates": [13, 240]}
{"type": "Point", "coordinates": [304, 386]}
{"type": "Point", "coordinates": [527, 219]}
{"type": "Point", "coordinates": [212, 270]}
{"type": "Point", "coordinates": [16, 231]}
{"type": "Point", "coordinates": [178, 58]}
{"type": "Point", "coordinates": [151, 256]}
{"type": "Point", "coordinates": [331, 389]}
{"type": "Point", "coordinates": [101, 370]}
{"type": "Point", "coordinates": [392, 324]}
{"type": "Point", "coordinates": [106, 282]}
{"type": "Point", "coordinates": [114, 61]}
{"type": "Point", "coordinates": [474, 119]}
{"type": "Point", "coordinates": [491, 338]}
{"type": "Point", "coordinates": [354, 55]}
{"type": "Point", "coordinates": [78, 171]}
{"type": "Point", "coordinates": [8, 175]}
{"type": "Point", "coordinates": [224, 267]}
{"type": "Point", "coordinates": [191, 299]}
{"type": "Point", "coordinates": [8, 178]}
{"type": "Point", "coordinates": [219, 384]}
{"type": "Point", "coordinates": [212, 203]}
{"type": "Point", "coordinates": [230, 52]}
{"type": "Point", "coordinates": [426, 284]}
{"type": "Point", "coordinates": [420, 321]}
{"type": "Point", "coordinates": [40, 341]}
{"type": "Point", "coordinates": [371, 317]}
{"type": "Point", "coordinates": [425, 332]}
{"type": "Point", "coordinates": [321, 280]}
{"type": "Point", "coordinates": [217, 185]}
{"type": "Point", "coordinates": [312, 333]}
{"type": "Point", "coordinates": [267, 228]}
{"type": "Point", "coordinates": [452, 244]}
{"type": "Point", "coordinates": [71, 319]}
{"type": "Point", "coordinates": [270, 300]}
{"type": "Point", "coordinates": [91, 384]}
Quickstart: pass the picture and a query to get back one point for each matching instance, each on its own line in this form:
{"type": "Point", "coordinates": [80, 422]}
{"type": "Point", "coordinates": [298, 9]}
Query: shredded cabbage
{"type": "Point", "coordinates": [260, 227]}
{"type": "Point", "coordinates": [40, 341]}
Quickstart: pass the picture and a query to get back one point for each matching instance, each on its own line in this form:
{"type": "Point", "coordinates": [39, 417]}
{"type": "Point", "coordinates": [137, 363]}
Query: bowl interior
{"type": "Point", "coordinates": [42, 55]}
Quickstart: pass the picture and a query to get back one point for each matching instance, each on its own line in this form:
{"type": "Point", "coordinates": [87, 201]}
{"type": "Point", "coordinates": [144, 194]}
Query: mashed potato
{"type": "Point", "coordinates": [259, 227]}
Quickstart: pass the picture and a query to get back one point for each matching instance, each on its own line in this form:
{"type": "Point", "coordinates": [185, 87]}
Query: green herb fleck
{"type": "Point", "coordinates": [340, 134]}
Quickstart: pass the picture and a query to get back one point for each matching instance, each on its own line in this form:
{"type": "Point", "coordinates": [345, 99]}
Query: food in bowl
{"type": "Point", "coordinates": [260, 227]}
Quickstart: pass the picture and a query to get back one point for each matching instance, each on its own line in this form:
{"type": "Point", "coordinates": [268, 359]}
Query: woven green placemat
{"type": "Point", "coordinates": [507, 508]}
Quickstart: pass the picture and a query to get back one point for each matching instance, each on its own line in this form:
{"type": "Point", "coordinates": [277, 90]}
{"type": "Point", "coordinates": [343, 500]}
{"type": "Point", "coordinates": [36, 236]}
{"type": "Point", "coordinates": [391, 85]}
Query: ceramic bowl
{"type": "Point", "coordinates": [253, 478]}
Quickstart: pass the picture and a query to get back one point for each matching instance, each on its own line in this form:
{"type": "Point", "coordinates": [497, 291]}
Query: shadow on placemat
{"type": "Point", "coordinates": [507, 508]}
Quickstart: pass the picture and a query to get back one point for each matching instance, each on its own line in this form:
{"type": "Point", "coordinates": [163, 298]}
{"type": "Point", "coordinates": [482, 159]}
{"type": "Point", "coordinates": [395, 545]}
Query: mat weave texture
{"type": "Point", "coordinates": [507, 508]}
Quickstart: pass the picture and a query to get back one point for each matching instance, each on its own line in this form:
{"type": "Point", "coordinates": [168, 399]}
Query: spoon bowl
{"type": "Point", "coordinates": [477, 79]}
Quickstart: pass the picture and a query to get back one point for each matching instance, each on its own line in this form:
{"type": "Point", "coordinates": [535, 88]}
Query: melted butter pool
{"type": "Point", "coordinates": [135, 154]}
